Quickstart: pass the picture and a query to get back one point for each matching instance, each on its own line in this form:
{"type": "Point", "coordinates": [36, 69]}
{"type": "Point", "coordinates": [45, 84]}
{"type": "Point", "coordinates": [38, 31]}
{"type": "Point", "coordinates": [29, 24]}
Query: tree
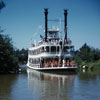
{"type": "Point", "coordinates": [22, 55]}
{"type": "Point", "coordinates": [8, 61]}
{"type": "Point", "coordinates": [2, 5]}
{"type": "Point", "coordinates": [85, 52]}
{"type": "Point", "coordinates": [78, 59]}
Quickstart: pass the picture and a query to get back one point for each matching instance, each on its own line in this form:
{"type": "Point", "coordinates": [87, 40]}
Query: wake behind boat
{"type": "Point", "coordinates": [52, 53]}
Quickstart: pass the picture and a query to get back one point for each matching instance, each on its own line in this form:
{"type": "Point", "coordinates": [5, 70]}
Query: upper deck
{"type": "Point", "coordinates": [53, 34]}
{"type": "Point", "coordinates": [53, 44]}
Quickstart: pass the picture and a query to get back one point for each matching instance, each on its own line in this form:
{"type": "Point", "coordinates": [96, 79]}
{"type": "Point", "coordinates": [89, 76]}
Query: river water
{"type": "Point", "coordinates": [34, 85]}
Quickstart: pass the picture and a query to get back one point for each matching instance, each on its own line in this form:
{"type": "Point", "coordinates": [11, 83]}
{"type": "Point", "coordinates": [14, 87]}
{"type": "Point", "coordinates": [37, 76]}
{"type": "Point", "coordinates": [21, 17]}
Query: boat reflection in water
{"type": "Point", "coordinates": [48, 86]}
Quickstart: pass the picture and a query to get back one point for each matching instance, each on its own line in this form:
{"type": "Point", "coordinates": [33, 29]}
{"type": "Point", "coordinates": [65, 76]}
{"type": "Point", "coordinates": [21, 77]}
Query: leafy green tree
{"type": "Point", "coordinates": [86, 55]}
{"type": "Point", "coordinates": [78, 59]}
{"type": "Point", "coordinates": [96, 54]}
{"type": "Point", "coordinates": [22, 55]}
{"type": "Point", "coordinates": [8, 61]}
{"type": "Point", "coordinates": [85, 52]}
{"type": "Point", "coordinates": [2, 5]}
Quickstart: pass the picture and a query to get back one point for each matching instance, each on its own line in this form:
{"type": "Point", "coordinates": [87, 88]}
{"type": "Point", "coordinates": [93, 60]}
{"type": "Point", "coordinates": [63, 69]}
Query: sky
{"type": "Point", "coordinates": [24, 20]}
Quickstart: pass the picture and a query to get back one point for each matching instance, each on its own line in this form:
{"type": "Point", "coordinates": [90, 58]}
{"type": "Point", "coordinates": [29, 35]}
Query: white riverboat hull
{"type": "Point", "coordinates": [68, 68]}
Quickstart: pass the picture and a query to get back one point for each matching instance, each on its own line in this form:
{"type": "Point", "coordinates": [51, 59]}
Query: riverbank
{"type": "Point", "coordinates": [91, 65]}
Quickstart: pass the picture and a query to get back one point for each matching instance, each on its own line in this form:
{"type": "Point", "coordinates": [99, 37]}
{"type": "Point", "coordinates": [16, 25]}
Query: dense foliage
{"type": "Point", "coordinates": [8, 60]}
{"type": "Point", "coordinates": [2, 5]}
{"type": "Point", "coordinates": [9, 57]}
{"type": "Point", "coordinates": [87, 54]}
{"type": "Point", "coordinates": [22, 55]}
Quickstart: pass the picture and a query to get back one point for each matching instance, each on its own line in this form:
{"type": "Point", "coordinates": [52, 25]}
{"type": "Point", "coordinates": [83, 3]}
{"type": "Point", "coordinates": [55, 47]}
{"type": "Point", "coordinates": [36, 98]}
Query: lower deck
{"type": "Point", "coordinates": [61, 68]}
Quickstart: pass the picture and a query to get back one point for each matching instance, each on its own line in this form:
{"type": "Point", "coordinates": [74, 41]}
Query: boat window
{"type": "Point", "coordinates": [32, 60]}
{"type": "Point", "coordinates": [38, 51]}
{"type": "Point", "coordinates": [32, 52]}
{"type": "Point", "coordinates": [66, 48]}
{"type": "Point", "coordinates": [57, 49]}
{"type": "Point", "coordinates": [72, 48]}
{"type": "Point", "coordinates": [42, 49]}
{"type": "Point", "coordinates": [47, 49]}
{"type": "Point", "coordinates": [53, 49]}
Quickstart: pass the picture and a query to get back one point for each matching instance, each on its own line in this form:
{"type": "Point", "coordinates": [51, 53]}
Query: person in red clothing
{"type": "Point", "coordinates": [59, 64]}
{"type": "Point", "coordinates": [56, 64]}
{"type": "Point", "coordinates": [49, 63]}
{"type": "Point", "coordinates": [53, 63]}
{"type": "Point", "coordinates": [73, 63]}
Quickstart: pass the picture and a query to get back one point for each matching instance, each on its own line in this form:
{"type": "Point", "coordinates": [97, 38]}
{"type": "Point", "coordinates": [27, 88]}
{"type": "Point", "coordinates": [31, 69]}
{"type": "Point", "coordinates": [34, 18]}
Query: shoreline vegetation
{"type": "Point", "coordinates": [91, 65]}
{"type": "Point", "coordinates": [88, 56]}
{"type": "Point", "coordinates": [11, 58]}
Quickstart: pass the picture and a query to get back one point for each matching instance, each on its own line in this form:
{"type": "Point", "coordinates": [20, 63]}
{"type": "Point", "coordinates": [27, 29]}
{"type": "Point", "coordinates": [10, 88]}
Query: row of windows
{"type": "Point", "coordinates": [52, 49]}
{"type": "Point", "coordinates": [34, 61]}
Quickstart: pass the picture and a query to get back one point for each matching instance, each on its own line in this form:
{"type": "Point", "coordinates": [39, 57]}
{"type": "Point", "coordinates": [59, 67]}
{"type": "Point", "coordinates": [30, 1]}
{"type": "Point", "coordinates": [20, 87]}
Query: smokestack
{"type": "Point", "coordinates": [46, 23]}
{"type": "Point", "coordinates": [65, 27]}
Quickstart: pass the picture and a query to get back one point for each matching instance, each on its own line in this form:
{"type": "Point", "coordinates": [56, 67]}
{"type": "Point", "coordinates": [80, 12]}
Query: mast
{"type": "Point", "coordinates": [46, 22]}
{"type": "Point", "coordinates": [65, 27]}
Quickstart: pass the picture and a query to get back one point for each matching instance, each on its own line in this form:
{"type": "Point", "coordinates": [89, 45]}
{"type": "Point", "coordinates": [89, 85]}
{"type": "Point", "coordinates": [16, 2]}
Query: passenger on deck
{"type": "Point", "coordinates": [63, 62]}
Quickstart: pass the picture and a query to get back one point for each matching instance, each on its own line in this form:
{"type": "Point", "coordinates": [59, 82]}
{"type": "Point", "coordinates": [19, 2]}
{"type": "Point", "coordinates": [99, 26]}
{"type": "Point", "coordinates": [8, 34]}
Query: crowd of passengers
{"type": "Point", "coordinates": [56, 41]}
{"type": "Point", "coordinates": [58, 63]}
{"type": "Point", "coordinates": [50, 42]}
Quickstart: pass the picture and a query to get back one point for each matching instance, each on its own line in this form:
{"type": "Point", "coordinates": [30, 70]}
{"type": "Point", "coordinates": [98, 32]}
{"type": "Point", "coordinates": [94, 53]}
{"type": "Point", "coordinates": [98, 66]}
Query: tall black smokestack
{"type": "Point", "coordinates": [46, 23]}
{"type": "Point", "coordinates": [65, 27]}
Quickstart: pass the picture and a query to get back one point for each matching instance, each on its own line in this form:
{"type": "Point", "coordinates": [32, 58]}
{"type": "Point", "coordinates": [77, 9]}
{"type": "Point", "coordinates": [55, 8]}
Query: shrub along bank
{"type": "Point", "coordinates": [88, 56]}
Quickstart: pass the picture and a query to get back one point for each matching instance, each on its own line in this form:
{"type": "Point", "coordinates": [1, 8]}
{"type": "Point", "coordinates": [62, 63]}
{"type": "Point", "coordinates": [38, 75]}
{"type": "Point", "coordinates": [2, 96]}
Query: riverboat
{"type": "Point", "coordinates": [52, 53]}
